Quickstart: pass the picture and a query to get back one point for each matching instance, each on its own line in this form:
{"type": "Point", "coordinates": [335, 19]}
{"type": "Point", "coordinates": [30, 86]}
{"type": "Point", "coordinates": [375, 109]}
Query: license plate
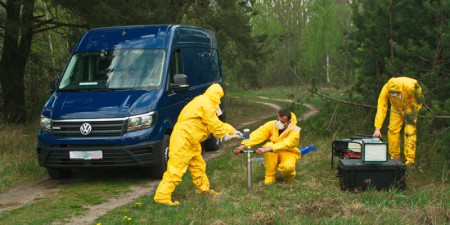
{"type": "Point", "coordinates": [86, 155]}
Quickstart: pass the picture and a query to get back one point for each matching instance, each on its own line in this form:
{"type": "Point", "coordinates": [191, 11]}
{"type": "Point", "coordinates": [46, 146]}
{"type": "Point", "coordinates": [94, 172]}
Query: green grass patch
{"type": "Point", "coordinates": [70, 201]}
{"type": "Point", "coordinates": [18, 159]}
{"type": "Point", "coordinates": [313, 198]}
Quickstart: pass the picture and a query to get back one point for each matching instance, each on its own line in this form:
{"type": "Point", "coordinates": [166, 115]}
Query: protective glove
{"type": "Point", "coordinates": [226, 137]}
{"type": "Point", "coordinates": [238, 133]}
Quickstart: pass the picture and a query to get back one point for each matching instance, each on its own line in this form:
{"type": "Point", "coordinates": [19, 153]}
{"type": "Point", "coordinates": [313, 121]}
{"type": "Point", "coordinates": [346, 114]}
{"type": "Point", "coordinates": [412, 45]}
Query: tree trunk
{"type": "Point", "coordinates": [16, 49]}
{"type": "Point", "coordinates": [391, 33]}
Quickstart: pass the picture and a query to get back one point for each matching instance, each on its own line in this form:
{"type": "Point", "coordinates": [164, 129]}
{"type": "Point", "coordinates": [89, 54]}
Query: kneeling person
{"type": "Point", "coordinates": [280, 152]}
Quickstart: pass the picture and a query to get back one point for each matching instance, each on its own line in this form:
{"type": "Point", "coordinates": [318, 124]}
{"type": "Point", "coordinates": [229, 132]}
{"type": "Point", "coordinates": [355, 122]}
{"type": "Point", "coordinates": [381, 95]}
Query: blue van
{"type": "Point", "coordinates": [118, 99]}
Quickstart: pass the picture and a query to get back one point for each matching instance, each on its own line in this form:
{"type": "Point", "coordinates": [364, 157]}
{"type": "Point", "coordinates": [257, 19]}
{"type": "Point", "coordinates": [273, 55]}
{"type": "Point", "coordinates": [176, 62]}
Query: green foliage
{"type": "Point", "coordinates": [398, 38]}
{"type": "Point", "coordinates": [281, 23]}
{"type": "Point", "coordinates": [322, 37]}
{"type": "Point", "coordinates": [240, 52]}
{"type": "Point", "coordinates": [306, 35]}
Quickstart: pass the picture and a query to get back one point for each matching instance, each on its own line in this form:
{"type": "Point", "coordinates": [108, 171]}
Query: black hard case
{"type": "Point", "coordinates": [355, 175]}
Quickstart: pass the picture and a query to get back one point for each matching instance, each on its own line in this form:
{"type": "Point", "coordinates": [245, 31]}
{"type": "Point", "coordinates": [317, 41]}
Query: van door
{"type": "Point", "coordinates": [169, 107]}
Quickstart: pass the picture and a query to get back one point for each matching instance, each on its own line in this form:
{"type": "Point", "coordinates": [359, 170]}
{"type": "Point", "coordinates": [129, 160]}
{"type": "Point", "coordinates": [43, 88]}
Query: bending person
{"type": "Point", "coordinates": [406, 98]}
{"type": "Point", "coordinates": [196, 122]}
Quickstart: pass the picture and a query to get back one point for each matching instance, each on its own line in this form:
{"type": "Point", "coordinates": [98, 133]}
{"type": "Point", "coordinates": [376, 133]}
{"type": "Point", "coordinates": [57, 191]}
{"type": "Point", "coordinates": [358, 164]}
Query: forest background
{"type": "Point", "coordinates": [355, 46]}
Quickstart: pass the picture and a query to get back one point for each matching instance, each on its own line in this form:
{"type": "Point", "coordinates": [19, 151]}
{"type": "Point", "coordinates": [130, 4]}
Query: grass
{"type": "Point", "coordinates": [313, 198]}
{"type": "Point", "coordinates": [18, 161]}
{"type": "Point", "coordinates": [69, 201]}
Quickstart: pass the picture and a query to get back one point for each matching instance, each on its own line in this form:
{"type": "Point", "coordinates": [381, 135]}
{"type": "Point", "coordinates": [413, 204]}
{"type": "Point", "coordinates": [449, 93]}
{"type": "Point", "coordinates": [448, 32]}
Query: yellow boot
{"type": "Point", "coordinates": [269, 180]}
{"type": "Point", "coordinates": [409, 163]}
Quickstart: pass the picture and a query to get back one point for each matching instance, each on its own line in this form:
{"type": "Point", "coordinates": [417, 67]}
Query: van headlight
{"type": "Point", "coordinates": [141, 121]}
{"type": "Point", "coordinates": [46, 123]}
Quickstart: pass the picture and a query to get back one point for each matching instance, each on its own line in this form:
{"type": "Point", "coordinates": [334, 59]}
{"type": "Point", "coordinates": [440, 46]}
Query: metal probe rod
{"type": "Point", "coordinates": [249, 169]}
{"type": "Point", "coordinates": [249, 160]}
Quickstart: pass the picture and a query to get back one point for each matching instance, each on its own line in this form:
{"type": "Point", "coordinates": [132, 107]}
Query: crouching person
{"type": "Point", "coordinates": [280, 152]}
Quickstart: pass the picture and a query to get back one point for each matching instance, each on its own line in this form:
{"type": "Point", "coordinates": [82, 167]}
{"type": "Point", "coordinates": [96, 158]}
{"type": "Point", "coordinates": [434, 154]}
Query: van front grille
{"type": "Point", "coordinates": [98, 128]}
{"type": "Point", "coordinates": [112, 155]}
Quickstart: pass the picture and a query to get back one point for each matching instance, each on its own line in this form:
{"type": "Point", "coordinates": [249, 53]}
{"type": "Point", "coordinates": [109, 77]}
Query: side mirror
{"type": "Point", "coordinates": [180, 83]}
{"type": "Point", "coordinates": [53, 85]}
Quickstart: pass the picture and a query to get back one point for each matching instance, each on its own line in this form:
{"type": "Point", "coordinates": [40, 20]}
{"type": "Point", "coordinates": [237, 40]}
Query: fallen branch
{"type": "Point", "coordinates": [324, 96]}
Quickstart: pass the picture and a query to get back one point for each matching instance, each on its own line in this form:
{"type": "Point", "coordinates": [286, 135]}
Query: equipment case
{"type": "Point", "coordinates": [355, 175]}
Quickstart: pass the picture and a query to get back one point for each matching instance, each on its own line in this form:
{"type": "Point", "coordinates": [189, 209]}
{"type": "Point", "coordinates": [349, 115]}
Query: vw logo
{"type": "Point", "coordinates": [85, 128]}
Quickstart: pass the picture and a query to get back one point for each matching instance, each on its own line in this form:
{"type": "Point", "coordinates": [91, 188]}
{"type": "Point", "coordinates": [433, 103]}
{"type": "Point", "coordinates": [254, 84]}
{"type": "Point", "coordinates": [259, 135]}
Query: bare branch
{"type": "Point", "coordinates": [3, 4]}
{"type": "Point", "coordinates": [437, 117]}
{"type": "Point", "coordinates": [324, 96]}
{"type": "Point", "coordinates": [40, 23]}
{"type": "Point", "coordinates": [56, 24]}
{"type": "Point", "coordinates": [45, 29]}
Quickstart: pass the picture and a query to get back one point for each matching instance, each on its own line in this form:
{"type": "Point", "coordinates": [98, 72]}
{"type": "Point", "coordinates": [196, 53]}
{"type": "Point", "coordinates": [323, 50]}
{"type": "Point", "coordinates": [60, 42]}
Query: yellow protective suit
{"type": "Point", "coordinates": [284, 155]}
{"type": "Point", "coordinates": [404, 109]}
{"type": "Point", "coordinates": [196, 121]}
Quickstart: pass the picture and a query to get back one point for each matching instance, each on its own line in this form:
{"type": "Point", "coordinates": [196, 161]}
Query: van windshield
{"type": "Point", "coordinates": [117, 69]}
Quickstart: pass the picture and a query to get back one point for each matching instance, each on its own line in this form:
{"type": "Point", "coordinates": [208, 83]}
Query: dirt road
{"type": "Point", "coordinates": [20, 196]}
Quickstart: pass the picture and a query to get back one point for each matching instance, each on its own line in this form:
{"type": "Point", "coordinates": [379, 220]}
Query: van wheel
{"type": "Point", "coordinates": [163, 157]}
{"type": "Point", "coordinates": [59, 174]}
{"type": "Point", "coordinates": [211, 144]}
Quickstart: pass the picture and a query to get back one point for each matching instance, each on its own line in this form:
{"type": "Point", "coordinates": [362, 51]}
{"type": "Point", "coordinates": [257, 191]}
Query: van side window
{"type": "Point", "coordinates": [176, 64]}
{"type": "Point", "coordinates": [203, 66]}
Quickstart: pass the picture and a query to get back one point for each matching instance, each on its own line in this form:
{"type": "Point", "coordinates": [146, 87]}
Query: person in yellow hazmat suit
{"type": "Point", "coordinates": [406, 98]}
{"type": "Point", "coordinates": [198, 119]}
{"type": "Point", "coordinates": [280, 152]}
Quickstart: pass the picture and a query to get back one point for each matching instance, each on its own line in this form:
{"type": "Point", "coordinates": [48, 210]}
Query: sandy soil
{"type": "Point", "coordinates": [46, 187]}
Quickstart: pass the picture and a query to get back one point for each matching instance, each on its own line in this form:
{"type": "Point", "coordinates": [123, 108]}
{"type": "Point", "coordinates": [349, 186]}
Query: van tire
{"type": "Point", "coordinates": [211, 144]}
{"type": "Point", "coordinates": [59, 174]}
{"type": "Point", "coordinates": [158, 171]}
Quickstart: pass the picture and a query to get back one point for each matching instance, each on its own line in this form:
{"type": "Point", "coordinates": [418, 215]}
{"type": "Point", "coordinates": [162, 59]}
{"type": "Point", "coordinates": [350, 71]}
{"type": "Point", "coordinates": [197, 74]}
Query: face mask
{"type": "Point", "coordinates": [279, 125]}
